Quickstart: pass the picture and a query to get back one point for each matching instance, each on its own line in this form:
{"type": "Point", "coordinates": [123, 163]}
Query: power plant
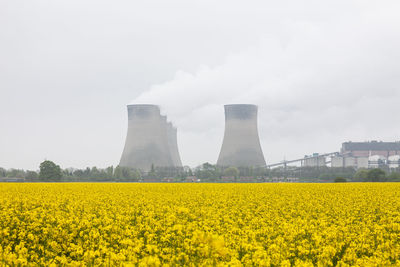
{"type": "Point", "coordinates": [371, 154]}
{"type": "Point", "coordinates": [151, 140]}
{"type": "Point", "coordinates": [241, 145]}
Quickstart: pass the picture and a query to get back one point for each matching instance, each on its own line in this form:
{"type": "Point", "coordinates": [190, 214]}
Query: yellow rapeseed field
{"type": "Point", "coordinates": [200, 224]}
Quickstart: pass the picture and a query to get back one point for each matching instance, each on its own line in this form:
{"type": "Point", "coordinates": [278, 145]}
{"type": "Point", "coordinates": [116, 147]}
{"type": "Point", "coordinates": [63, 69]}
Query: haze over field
{"type": "Point", "coordinates": [321, 73]}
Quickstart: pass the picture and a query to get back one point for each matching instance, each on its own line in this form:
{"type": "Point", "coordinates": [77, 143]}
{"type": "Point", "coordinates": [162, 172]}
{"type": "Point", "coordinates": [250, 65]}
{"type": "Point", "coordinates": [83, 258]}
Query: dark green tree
{"type": "Point", "coordinates": [118, 173]}
{"type": "Point", "coordinates": [31, 176]}
{"type": "Point", "coordinates": [49, 171]}
{"type": "Point", "coordinates": [231, 171]}
{"type": "Point", "coordinates": [16, 173]}
{"type": "Point", "coordinates": [3, 172]}
{"type": "Point", "coordinates": [394, 177]}
{"type": "Point", "coordinates": [110, 172]}
{"type": "Point", "coordinates": [361, 175]}
{"type": "Point", "coordinates": [340, 180]}
{"type": "Point", "coordinates": [376, 175]}
{"type": "Point", "coordinates": [152, 174]}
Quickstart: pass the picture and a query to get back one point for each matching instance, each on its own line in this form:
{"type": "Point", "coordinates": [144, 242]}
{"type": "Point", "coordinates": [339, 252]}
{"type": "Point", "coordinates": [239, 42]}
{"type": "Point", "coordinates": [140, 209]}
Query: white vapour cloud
{"type": "Point", "coordinates": [318, 82]}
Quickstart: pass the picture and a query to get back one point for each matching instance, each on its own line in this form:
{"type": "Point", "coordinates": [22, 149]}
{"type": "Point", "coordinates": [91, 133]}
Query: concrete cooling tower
{"type": "Point", "coordinates": [150, 140]}
{"type": "Point", "coordinates": [173, 145]}
{"type": "Point", "coordinates": [241, 146]}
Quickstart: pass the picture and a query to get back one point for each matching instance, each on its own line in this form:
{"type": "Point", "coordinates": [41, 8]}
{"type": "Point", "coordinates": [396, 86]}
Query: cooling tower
{"type": "Point", "coordinates": [241, 146]}
{"type": "Point", "coordinates": [147, 141]}
{"type": "Point", "coordinates": [173, 143]}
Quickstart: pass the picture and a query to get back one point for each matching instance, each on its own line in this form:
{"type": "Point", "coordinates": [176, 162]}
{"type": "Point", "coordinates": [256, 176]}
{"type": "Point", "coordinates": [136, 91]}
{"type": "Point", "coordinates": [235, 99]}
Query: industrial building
{"type": "Point", "coordinates": [347, 161]}
{"type": "Point", "coordinates": [366, 149]}
{"type": "Point", "coordinates": [151, 140]}
{"type": "Point", "coordinates": [241, 145]}
{"type": "Point", "coordinates": [314, 161]}
{"type": "Point", "coordinates": [371, 154]}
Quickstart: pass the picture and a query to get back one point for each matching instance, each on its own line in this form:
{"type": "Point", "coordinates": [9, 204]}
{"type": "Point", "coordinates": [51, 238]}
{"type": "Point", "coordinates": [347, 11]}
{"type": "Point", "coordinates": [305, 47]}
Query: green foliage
{"type": "Point", "coordinates": [208, 172]}
{"type": "Point", "coordinates": [15, 173]}
{"type": "Point", "coordinates": [124, 174]}
{"type": "Point", "coordinates": [3, 172]}
{"type": "Point", "coordinates": [110, 171]}
{"type": "Point", "coordinates": [372, 175]}
{"type": "Point", "coordinates": [361, 175]}
{"type": "Point", "coordinates": [394, 177]}
{"type": "Point", "coordinates": [49, 171]}
{"type": "Point", "coordinates": [231, 171]}
{"type": "Point", "coordinates": [376, 175]}
{"type": "Point", "coordinates": [31, 176]}
{"type": "Point", "coordinates": [340, 180]}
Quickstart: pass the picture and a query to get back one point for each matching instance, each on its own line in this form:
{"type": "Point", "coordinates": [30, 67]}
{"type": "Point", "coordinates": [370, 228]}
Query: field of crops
{"type": "Point", "coordinates": [200, 224]}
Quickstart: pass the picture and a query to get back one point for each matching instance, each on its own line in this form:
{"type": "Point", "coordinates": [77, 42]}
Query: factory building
{"type": "Point", "coordinates": [355, 162]}
{"type": "Point", "coordinates": [376, 161]}
{"type": "Point", "coordinates": [337, 162]}
{"type": "Point", "coordinates": [314, 161]}
{"type": "Point", "coordinates": [394, 162]}
{"type": "Point", "coordinates": [372, 154]}
{"type": "Point", "coordinates": [241, 145]}
{"type": "Point", "coordinates": [150, 141]}
{"type": "Point", "coordinates": [366, 149]}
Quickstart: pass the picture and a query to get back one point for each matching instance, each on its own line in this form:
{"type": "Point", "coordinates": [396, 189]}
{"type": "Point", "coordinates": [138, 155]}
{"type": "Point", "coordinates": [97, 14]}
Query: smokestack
{"type": "Point", "coordinates": [147, 140]}
{"type": "Point", "coordinates": [241, 146]}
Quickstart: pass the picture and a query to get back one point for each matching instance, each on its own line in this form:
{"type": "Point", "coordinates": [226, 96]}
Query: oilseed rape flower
{"type": "Point", "coordinates": [108, 224]}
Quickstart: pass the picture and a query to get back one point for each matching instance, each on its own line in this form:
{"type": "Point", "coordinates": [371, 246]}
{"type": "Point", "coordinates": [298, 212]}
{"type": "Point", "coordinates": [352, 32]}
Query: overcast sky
{"type": "Point", "coordinates": [321, 72]}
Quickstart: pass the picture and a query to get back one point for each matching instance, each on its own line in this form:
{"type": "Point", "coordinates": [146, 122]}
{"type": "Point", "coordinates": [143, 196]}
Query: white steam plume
{"type": "Point", "coordinates": [318, 85]}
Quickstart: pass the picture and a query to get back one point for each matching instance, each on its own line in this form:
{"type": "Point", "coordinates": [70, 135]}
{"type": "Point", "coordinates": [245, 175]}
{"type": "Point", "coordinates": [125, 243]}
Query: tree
{"type": "Point", "coordinates": [125, 174]}
{"type": "Point", "coordinates": [208, 172]}
{"type": "Point", "coordinates": [118, 173]}
{"type": "Point", "coordinates": [376, 175]}
{"type": "Point", "coordinates": [340, 180]}
{"type": "Point", "coordinates": [110, 172]}
{"type": "Point", "coordinates": [15, 173]}
{"type": "Point", "coordinates": [361, 175]}
{"type": "Point", "coordinates": [152, 174]}
{"type": "Point", "coordinates": [31, 176]}
{"type": "Point", "coordinates": [3, 172]}
{"type": "Point", "coordinates": [231, 171]}
{"type": "Point", "coordinates": [49, 171]}
{"type": "Point", "coordinates": [394, 177]}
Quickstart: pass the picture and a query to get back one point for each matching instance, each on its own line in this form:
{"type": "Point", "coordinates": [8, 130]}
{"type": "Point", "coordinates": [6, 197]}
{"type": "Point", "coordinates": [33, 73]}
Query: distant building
{"type": "Point", "coordinates": [314, 161]}
{"type": "Point", "coordinates": [355, 162]}
{"type": "Point", "coordinates": [372, 154]}
{"type": "Point", "coordinates": [225, 179]}
{"type": "Point", "coordinates": [337, 162]}
{"type": "Point", "coordinates": [366, 149]}
{"type": "Point", "coordinates": [394, 162]}
{"type": "Point", "coordinates": [362, 162]}
{"type": "Point", "coordinates": [192, 179]}
{"type": "Point", "coordinates": [246, 179]}
{"type": "Point", "coordinates": [376, 161]}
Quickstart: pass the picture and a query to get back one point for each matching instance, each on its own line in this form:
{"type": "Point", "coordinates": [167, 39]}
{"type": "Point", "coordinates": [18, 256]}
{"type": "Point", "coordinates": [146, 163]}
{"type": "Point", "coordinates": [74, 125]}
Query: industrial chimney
{"type": "Point", "coordinates": [241, 146]}
{"type": "Point", "coordinates": [147, 141]}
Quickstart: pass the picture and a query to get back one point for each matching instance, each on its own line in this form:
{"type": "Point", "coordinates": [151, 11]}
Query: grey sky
{"type": "Point", "coordinates": [322, 72]}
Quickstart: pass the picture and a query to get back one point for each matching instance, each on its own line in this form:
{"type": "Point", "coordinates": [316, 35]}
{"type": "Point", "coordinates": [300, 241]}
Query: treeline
{"type": "Point", "coordinates": [50, 172]}
{"type": "Point", "coordinates": [329, 174]}
{"type": "Point", "coordinates": [212, 173]}
{"type": "Point", "coordinates": [18, 173]}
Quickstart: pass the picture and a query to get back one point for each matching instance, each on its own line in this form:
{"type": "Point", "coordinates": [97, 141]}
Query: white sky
{"type": "Point", "coordinates": [322, 72]}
